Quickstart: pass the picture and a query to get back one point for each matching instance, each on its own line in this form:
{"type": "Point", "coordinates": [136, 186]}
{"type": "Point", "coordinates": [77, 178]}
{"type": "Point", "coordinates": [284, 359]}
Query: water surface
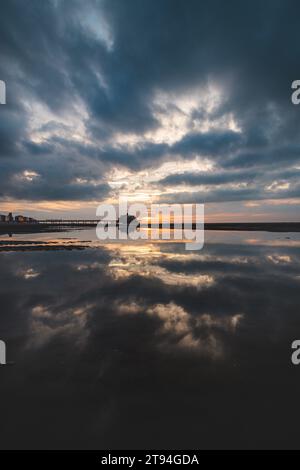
{"type": "Point", "coordinates": [123, 345]}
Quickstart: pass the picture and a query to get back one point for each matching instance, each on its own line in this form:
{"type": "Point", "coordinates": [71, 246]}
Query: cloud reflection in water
{"type": "Point", "coordinates": [151, 347]}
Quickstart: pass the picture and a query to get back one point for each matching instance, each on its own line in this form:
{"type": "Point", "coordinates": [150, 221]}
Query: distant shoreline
{"type": "Point", "coordinates": [255, 226]}
{"type": "Point", "coordinates": [226, 226]}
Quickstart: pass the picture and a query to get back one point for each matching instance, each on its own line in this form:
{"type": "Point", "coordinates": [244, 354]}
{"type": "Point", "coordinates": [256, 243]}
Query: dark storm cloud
{"type": "Point", "coordinates": [209, 178]}
{"type": "Point", "coordinates": [114, 56]}
{"type": "Point", "coordinates": [237, 185]}
{"type": "Point", "coordinates": [226, 194]}
{"type": "Point", "coordinates": [210, 143]}
{"type": "Point", "coordinates": [54, 180]}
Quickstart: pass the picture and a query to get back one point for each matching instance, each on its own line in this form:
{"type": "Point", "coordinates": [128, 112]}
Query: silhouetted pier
{"type": "Point", "coordinates": [69, 222]}
{"type": "Point", "coordinates": [53, 225]}
{"type": "Point", "coordinates": [46, 225]}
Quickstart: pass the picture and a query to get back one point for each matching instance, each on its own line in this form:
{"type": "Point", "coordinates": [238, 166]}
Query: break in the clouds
{"type": "Point", "coordinates": [160, 100]}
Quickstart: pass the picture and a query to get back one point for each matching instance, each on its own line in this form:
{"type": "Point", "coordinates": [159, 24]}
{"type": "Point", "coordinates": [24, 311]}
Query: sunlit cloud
{"type": "Point", "coordinates": [27, 175]}
{"type": "Point", "coordinates": [278, 186]}
{"type": "Point", "coordinates": [279, 259]}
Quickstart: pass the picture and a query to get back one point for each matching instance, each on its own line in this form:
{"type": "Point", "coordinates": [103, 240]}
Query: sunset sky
{"type": "Point", "coordinates": [169, 101]}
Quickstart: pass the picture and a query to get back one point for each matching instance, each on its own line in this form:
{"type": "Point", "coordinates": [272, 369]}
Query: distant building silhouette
{"type": "Point", "coordinates": [18, 219]}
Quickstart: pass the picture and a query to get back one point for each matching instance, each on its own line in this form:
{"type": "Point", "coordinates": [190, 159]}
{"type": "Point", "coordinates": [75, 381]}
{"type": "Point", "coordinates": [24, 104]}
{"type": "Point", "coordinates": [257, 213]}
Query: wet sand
{"type": "Point", "coordinates": [25, 245]}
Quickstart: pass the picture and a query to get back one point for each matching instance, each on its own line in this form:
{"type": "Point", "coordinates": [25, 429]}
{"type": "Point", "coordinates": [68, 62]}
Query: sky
{"type": "Point", "coordinates": [160, 101]}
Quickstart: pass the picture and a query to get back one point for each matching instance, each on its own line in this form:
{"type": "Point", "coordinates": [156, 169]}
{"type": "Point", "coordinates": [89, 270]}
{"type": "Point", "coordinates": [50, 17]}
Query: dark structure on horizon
{"type": "Point", "coordinates": [18, 219]}
{"type": "Point", "coordinates": [21, 224]}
